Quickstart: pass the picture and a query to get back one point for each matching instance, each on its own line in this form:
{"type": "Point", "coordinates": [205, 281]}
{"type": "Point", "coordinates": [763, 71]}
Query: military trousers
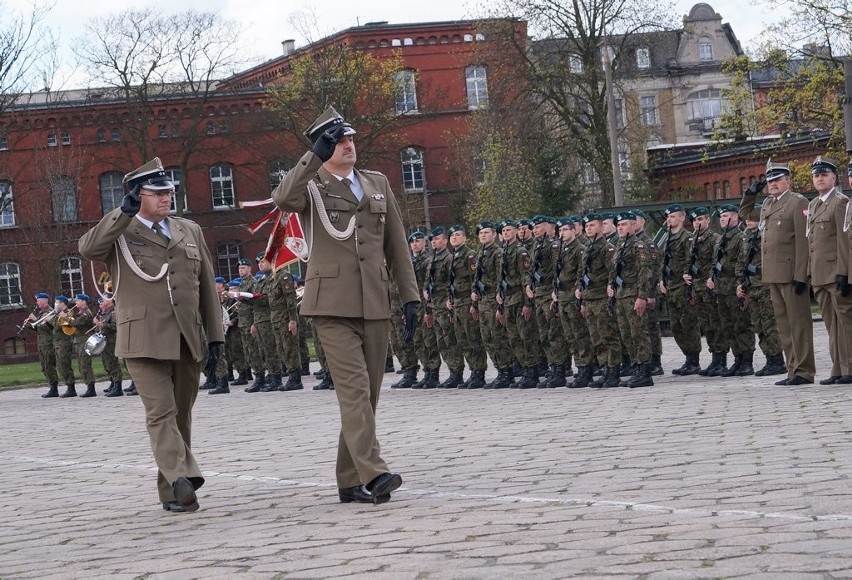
{"type": "Point", "coordinates": [522, 334]}
{"type": "Point", "coordinates": [762, 320]}
{"type": "Point", "coordinates": [287, 344]}
{"type": "Point", "coordinates": [795, 327]}
{"type": "Point", "coordinates": [837, 317]}
{"type": "Point", "coordinates": [576, 332]}
{"type": "Point", "coordinates": [634, 330]}
{"type": "Point", "coordinates": [250, 348]}
{"type": "Point", "coordinates": [268, 346]}
{"type": "Point", "coordinates": [406, 352]}
{"type": "Point", "coordinates": [468, 337]}
{"type": "Point", "coordinates": [168, 389]}
{"type": "Point", "coordinates": [734, 327]}
{"type": "Point", "coordinates": [304, 353]}
{"type": "Point", "coordinates": [64, 351]}
{"type": "Point", "coordinates": [111, 364]}
{"type": "Point", "coordinates": [603, 332]}
{"type": "Point", "coordinates": [684, 327]}
{"type": "Point", "coordinates": [495, 337]}
{"type": "Point", "coordinates": [356, 350]}
{"type": "Point", "coordinates": [84, 361]}
{"type": "Point", "coordinates": [706, 311]}
{"type": "Point", "coordinates": [47, 359]}
{"type": "Point", "coordinates": [426, 343]}
{"type": "Point", "coordinates": [652, 318]}
{"type": "Point", "coordinates": [446, 334]}
{"type": "Point", "coordinates": [550, 335]}
{"type": "Point", "coordinates": [234, 350]}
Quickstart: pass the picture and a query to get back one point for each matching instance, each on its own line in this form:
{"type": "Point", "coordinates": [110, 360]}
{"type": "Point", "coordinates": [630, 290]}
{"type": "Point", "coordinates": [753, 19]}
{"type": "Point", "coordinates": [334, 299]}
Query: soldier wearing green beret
{"type": "Point", "coordinates": [437, 293]}
{"type": "Point", "coordinates": [468, 337]}
{"type": "Point", "coordinates": [262, 325]}
{"type": "Point", "coordinates": [652, 312]}
{"type": "Point", "coordinates": [425, 337]}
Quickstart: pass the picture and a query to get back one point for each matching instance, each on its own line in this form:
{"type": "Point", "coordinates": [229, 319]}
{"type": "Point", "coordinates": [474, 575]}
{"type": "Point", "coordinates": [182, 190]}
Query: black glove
{"type": "Point", "coordinates": [843, 284]}
{"type": "Point", "coordinates": [800, 286]}
{"type": "Point", "coordinates": [214, 350]}
{"type": "Point", "coordinates": [756, 187]}
{"type": "Point", "coordinates": [131, 203]}
{"type": "Point", "coordinates": [409, 312]}
{"type": "Point", "coordinates": [325, 143]}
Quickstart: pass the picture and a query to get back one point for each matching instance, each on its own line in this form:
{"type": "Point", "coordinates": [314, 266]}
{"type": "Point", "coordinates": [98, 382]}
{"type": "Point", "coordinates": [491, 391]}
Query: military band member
{"type": "Point", "coordinates": [44, 336]}
{"type": "Point", "coordinates": [106, 325]}
{"type": "Point", "coordinates": [82, 322]}
{"type": "Point", "coordinates": [63, 344]}
{"type": "Point", "coordinates": [468, 337]}
{"type": "Point", "coordinates": [234, 349]}
{"type": "Point", "coordinates": [284, 321]}
{"type": "Point", "coordinates": [784, 257]}
{"type": "Point", "coordinates": [437, 292]}
{"type": "Point", "coordinates": [676, 255]}
{"type": "Point", "coordinates": [261, 328]}
{"type": "Point", "coordinates": [826, 213]}
{"type": "Point", "coordinates": [597, 272]}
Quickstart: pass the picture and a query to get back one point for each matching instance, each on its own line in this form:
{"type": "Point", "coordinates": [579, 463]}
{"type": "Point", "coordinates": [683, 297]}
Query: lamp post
{"type": "Point", "coordinates": [617, 187]}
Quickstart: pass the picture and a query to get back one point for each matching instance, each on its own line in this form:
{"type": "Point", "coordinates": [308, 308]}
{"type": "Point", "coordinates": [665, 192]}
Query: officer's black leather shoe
{"type": "Point", "coordinates": [797, 380]}
{"type": "Point", "coordinates": [359, 494]}
{"type": "Point", "coordinates": [185, 494]}
{"type": "Point", "coordinates": [174, 506]}
{"type": "Point", "coordinates": [830, 380]}
{"type": "Point", "coordinates": [783, 382]}
{"type": "Point", "coordinates": [845, 380]}
{"type": "Point", "coordinates": [383, 485]}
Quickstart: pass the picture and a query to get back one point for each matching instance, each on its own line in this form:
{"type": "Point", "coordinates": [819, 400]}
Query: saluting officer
{"type": "Point", "coordinates": [826, 213]}
{"type": "Point", "coordinates": [784, 255]}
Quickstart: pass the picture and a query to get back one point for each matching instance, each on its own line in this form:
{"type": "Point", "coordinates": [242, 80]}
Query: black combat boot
{"type": "Point", "coordinates": [116, 390]}
{"type": "Point", "coordinates": [306, 368]}
{"type": "Point", "coordinates": [241, 379]}
{"type": "Point", "coordinates": [259, 381]}
{"type": "Point", "coordinates": [109, 389]}
{"type": "Point", "coordinates": [746, 364]}
{"type": "Point", "coordinates": [530, 380]}
{"type": "Point", "coordinates": [774, 366]}
{"type": "Point", "coordinates": [273, 383]}
{"type": "Point", "coordinates": [643, 378]}
{"type": "Point", "coordinates": [90, 391]}
{"type": "Point", "coordinates": [656, 366]}
{"type": "Point", "coordinates": [325, 384]}
{"type": "Point", "coordinates": [131, 390]}
{"type": "Point", "coordinates": [692, 366]}
{"type": "Point", "coordinates": [542, 370]}
{"type": "Point", "coordinates": [626, 369]}
{"type": "Point", "coordinates": [409, 378]}
{"type": "Point", "coordinates": [500, 381]}
{"type": "Point", "coordinates": [583, 378]}
{"type": "Point", "coordinates": [598, 382]}
{"type": "Point", "coordinates": [389, 365]}
{"type": "Point", "coordinates": [69, 392]}
{"type": "Point", "coordinates": [319, 374]}
{"type": "Point", "coordinates": [612, 379]}
{"type": "Point", "coordinates": [430, 381]}
{"type": "Point", "coordinates": [637, 372]}
{"type": "Point", "coordinates": [209, 383]}
{"type": "Point", "coordinates": [714, 364]}
{"type": "Point", "coordinates": [476, 380]}
{"type": "Point", "coordinates": [732, 370]}
{"type": "Point", "coordinates": [52, 392]}
{"type": "Point", "coordinates": [221, 387]}
{"type": "Point", "coordinates": [453, 381]}
{"type": "Point", "coordinates": [679, 371]}
{"type": "Point", "coordinates": [721, 367]}
{"type": "Point", "coordinates": [229, 376]}
{"type": "Point", "coordinates": [294, 381]}
{"type": "Point", "coordinates": [557, 377]}
{"type": "Point", "coordinates": [517, 370]}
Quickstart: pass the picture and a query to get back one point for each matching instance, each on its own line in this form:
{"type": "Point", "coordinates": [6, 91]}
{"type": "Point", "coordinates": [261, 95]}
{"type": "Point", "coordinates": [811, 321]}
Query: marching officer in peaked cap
{"type": "Point", "coordinates": [826, 214]}
{"type": "Point", "coordinates": [166, 304]}
{"type": "Point", "coordinates": [784, 255]}
{"type": "Point", "coordinates": [358, 244]}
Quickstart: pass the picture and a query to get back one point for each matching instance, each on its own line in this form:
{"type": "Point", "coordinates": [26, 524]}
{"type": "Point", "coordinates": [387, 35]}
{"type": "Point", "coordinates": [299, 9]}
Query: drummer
{"type": "Point", "coordinates": [105, 324]}
{"type": "Point", "coordinates": [83, 325]}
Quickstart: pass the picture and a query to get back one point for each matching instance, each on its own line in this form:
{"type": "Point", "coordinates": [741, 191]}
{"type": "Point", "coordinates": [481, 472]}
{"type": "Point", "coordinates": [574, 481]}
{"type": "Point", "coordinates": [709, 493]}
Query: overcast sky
{"type": "Point", "coordinates": [267, 22]}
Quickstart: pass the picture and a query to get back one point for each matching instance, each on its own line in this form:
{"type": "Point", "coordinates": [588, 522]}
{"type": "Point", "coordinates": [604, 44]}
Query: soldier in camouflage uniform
{"type": "Point", "coordinates": [233, 339]}
{"type": "Point", "coordinates": [702, 243]}
{"type": "Point", "coordinates": [484, 305]}
{"type": "Point", "coordinates": [539, 287]}
{"type": "Point", "coordinates": [326, 383]}
{"type": "Point", "coordinates": [754, 297]}
{"type": "Point", "coordinates": [83, 322]}
{"type": "Point", "coordinates": [106, 325]}
{"type": "Point", "coordinates": [514, 267]}
{"type": "Point", "coordinates": [63, 345]}
{"type": "Point", "coordinates": [284, 321]}
{"type": "Point", "coordinates": [672, 286]}
{"type": "Point", "coordinates": [569, 267]}
{"type": "Point", "coordinates": [597, 270]}
{"type": "Point", "coordinates": [651, 314]}
{"type": "Point", "coordinates": [406, 352]}
{"type": "Point", "coordinates": [630, 287]}
{"type": "Point", "coordinates": [245, 314]}
{"type": "Point", "coordinates": [262, 326]}
{"type": "Point", "coordinates": [437, 293]}
{"type": "Point", "coordinates": [468, 337]}
{"type": "Point", "coordinates": [528, 240]}
{"type": "Point", "coordinates": [734, 327]}
{"type": "Point", "coordinates": [425, 337]}
{"type": "Point", "coordinates": [218, 382]}
{"type": "Point", "coordinates": [44, 336]}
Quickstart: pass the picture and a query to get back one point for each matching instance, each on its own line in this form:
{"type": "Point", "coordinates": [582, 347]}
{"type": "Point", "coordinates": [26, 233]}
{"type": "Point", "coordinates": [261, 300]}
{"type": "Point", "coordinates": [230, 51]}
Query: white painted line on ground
{"type": "Point", "coordinates": [626, 505]}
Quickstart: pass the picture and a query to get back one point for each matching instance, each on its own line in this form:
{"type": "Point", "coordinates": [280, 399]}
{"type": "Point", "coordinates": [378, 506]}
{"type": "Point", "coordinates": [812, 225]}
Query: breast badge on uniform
{"type": "Point", "coordinates": [378, 196]}
{"type": "Point", "coordinates": [333, 216]}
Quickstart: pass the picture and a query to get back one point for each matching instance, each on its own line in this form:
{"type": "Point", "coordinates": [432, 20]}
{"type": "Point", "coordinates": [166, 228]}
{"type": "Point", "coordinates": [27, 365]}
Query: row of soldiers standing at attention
{"type": "Point", "coordinates": [539, 292]}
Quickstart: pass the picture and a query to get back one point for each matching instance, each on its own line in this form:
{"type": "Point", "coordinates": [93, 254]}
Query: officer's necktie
{"type": "Point", "coordinates": [355, 191]}
{"type": "Point", "coordinates": [159, 231]}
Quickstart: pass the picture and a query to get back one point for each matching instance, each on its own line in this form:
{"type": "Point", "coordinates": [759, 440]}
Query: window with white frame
{"type": "Point", "coordinates": [63, 194]}
{"type": "Point", "coordinates": [648, 110]}
{"type": "Point", "coordinates": [705, 49]}
{"type": "Point", "coordinates": [228, 258]}
{"type": "Point", "coordinates": [222, 185]}
{"type": "Point", "coordinates": [71, 276]}
{"type": "Point", "coordinates": [412, 169]}
{"type": "Point", "coordinates": [10, 285]}
{"type": "Point", "coordinates": [7, 207]}
{"type": "Point", "coordinates": [115, 134]}
{"type": "Point", "coordinates": [51, 139]}
{"type": "Point", "coordinates": [277, 170]}
{"type": "Point", "coordinates": [100, 136]}
{"type": "Point", "coordinates": [162, 131]}
{"type": "Point", "coordinates": [588, 175]}
{"type": "Point", "coordinates": [4, 143]}
{"type": "Point", "coordinates": [211, 128]}
{"type": "Point", "coordinates": [624, 158]}
{"type": "Point", "coordinates": [476, 80]}
{"type": "Point", "coordinates": [575, 64]}
{"type": "Point", "coordinates": [643, 58]}
{"type": "Point", "coordinates": [405, 91]}
{"type": "Point", "coordinates": [705, 104]}
{"type": "Point", "coordinates": [66, 138]}
{"type": "Point", "coordinates": [174, 175]}
{"type": "Point", "coordinates": [112, 190]}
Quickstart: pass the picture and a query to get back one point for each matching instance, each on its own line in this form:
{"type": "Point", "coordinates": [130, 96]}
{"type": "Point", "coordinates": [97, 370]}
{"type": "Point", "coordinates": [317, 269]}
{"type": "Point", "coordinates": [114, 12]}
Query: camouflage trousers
{"type": "Point", "coordinates": [550, 335]}
{"type": "Point", "coordinates": [495, 338]}
{"type": "Point", "coordinates": [634, 330]}
{"type": "Point", "coordinates": [707, 313]}
{"type": "Point", "coordinates": [426, 344]}
{"type": "Point", "coordinates": [446, 334]}
{"type": "Point", "coordinates": [304, 353]}
{"type": "Point", "coordinates": [111, 364]}
{"type": "Point", "coordinates": [734, 326]}
{"type": "Point", "coordinates": [84, 361]}
{"type": "Point", "coordinates": [64, 352]}
{"type": "Point", "coordinates": [686, 332]}
{"type": "Point", "coordinates": [47, 358]}
{"type": "Point", "coordinates": [522, 335]}
{"type": "Point", "coordinates": [234, 350]}
{"type": "Point", "coordinates": [406, 352]}
{"type": "Point", "coordinates": [268, 347]}
{"type": "Point", "coordinates": [652, 317]}
{"type": "Point", "coordinates": [602, 330]}
{"type": "Point", "coordinates": [221, 364]}
{"type": "Point", "coordinates": [576, 332]}
{"type": "Point", "coordinates": [762, 319]}
{"type": "Point", "coordinates": [250, 349]}
{"type": "Point", "coordinates": [468, 337]}
{"type": "Point", "coordinates": [286, 344]}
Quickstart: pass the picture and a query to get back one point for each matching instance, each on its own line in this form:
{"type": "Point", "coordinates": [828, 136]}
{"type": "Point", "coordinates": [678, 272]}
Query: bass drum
{"type": "Point", "coordinates": [95, 344]}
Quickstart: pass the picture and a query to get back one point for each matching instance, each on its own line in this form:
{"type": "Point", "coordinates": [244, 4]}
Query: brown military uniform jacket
{"type": "Point", "coordinates": [349, 278]}
{"type": "Point", "coordinates": [151, 319]}
{"type": "Point", "coordinates": [784, 251]}
{"type": "Point", "coordinates": [825, 231]}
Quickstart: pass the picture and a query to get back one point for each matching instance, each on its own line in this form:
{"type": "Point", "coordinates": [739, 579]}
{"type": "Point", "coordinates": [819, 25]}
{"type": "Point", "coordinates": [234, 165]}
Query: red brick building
{"type": "Point", "coordinates": [63, 155]}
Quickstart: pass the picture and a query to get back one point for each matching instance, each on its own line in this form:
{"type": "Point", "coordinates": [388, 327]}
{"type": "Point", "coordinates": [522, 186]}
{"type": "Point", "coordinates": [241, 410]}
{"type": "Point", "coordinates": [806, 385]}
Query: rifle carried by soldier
{"type": "Point", "coordinates": [585, 279]}
{"type": "Point", "coordinates": [504, 279]}
{"type": "Point", "coordinates": [557, 271]}
{"type": "Point", "coordinates": [667, 259]}
{"type": "Point", "coordinates": [717, 264]}
{"type": "Point", "coordinates": [451, 287]}
{"type": "Point", "coordinates": [478, 284]}
{"type": "Point", "coordinates": [429, 288]}
{"type": "Point", "coordinates": [749, 270]}
{"type": "Point", "coordinates": [692, 270]}
{"type": "Point", "coordinates": [617, 280]}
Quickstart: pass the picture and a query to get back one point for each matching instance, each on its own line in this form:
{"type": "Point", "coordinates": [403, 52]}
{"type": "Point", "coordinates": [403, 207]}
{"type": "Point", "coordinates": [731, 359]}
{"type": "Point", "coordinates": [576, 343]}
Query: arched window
{"type": "Point", "coordinates": [228, 258]}
{"type": "Point", "coordinates": [412, 169]}
{"type": "Point", "coordinates": [476, 81]}
{"type": "Point", "coordinates": [71, 276]}
{"type": "Point", "coordinates": [222, 185]}
{"type": "Point", "coordinates": [405, 90]}
{"type": "Point", "coordinates": [14, 345]}
{"type": "Point", "coordinates": [174, 175]}
{"type": "Point", "coordinates": [10, 285]}
{"type": "Point", "coordinates": [643, 58]}
{"type": "Point", "coordinates": [63, 194]}
{"type": "Point", "coordinates": [112, 190]}
{"type": "Point", "coordinates": [7, 207]}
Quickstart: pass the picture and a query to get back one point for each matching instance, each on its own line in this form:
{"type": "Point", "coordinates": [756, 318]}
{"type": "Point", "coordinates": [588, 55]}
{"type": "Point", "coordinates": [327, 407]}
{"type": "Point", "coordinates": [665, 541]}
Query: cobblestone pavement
{"type": "Point", "coordinates": [698, 478]}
